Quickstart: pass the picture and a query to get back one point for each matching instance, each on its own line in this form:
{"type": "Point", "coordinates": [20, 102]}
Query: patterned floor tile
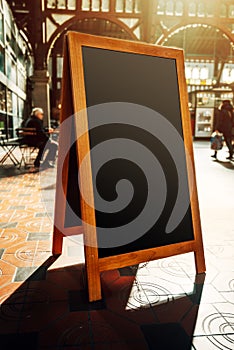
{"type": "Point", "coordinates": [6, 269]}
{"type": "Point", "coordinates": [12, 237]}
{"type": "Point", "coordinates": [11, 293]}
{"type": "Point", "coordinates": [41, 296]}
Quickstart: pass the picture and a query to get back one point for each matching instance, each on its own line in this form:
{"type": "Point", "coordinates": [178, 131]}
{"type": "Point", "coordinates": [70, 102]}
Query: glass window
{"type": "Point", "coordinates": [223, 10]}
{"type": "Point", "coordinates": [9, 126]}
{"type": "Point", "coordinates": [192, 9]}
{"type": "Point", "coordinates": [105, 5]}
{"type": "Point", "coordinates": [21, 81]}
{"type": "Point", "coordinates": [71, 4]}
{"type": "Point", "coordinates": [59, 60]}
{"type": "Point", "coordinates": [170, 8]}
{"type": "Point", "coordinates": [228, 74]}
{"type": "Point", "coordinates": [51, 4]}
{"type": "Point", "coordinates": [2, 60]}
{"type": "Point", "coordinates": [128, 6]}
{"type": "Point", "coordinates": [95, 5]}
{"type": "Point", "coordinates": [14, 104]}
{"type": "Point", "coordinates": [188, 72]}
{"type": "Point", "coordinates": [160, 7]}
{"type": "Point", "coordinates": [61, 4]}
{"type": "Point", "coordinates": [119, 6]}
{"type": "Point", "coordinates": [2, 97]}
{"type": "Point", "coordinates": [1, 28]}
{"type": "Point", "coordinates": [231, 11]}
{"type": "Point", "coordinates": [210, 9]}
{"type": "Point", "coordinates": [8, 33]}
{"type": "Point", "coordinates": [179, 7]}
{"type": "Point", "coordinates": [85, 5]}
{"type": "Point", "coordinates": [9, 102]}
{"type": "Point", "coordinates": [10, 68]}
{"type": "Point", "coordinates": [21, 108]}
{"type": "Point", "coordinates": [201, 10]}
{"type": "Point", "coordinates": [137, 6]}
{"type": "Point", "coordinates": [2, 124]}
{"type": "Point", "coordinates": [195, 73]}
{"type": "Point", "coordinates": [204, 73]}
{"type": "Point", "coordinates": [16, 124]}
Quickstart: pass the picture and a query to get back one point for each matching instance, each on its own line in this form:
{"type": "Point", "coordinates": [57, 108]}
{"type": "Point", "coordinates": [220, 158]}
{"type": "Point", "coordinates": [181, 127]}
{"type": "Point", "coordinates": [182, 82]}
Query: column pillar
{"type": "Point", "coordinates": [41, 93]}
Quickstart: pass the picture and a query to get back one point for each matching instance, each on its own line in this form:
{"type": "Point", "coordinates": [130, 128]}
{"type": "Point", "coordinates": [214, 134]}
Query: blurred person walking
{"type": "Point", "coordinates": [224, 125]}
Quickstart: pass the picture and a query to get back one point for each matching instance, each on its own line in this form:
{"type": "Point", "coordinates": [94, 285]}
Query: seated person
{"type": "Point", "coordinates": [41, 140]}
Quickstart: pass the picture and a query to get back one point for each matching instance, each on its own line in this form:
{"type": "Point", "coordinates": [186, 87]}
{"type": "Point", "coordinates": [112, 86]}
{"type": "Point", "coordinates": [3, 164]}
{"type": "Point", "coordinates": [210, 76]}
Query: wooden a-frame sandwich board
{"type": "Point", "coordinates": [83, 52]}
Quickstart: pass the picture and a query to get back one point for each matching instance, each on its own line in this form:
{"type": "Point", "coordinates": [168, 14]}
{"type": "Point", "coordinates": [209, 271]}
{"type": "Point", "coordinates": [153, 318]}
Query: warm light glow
{"type": "Point", "coordinates": [195, 73]}
{"type": "Point", "coordinates": [204, 73]}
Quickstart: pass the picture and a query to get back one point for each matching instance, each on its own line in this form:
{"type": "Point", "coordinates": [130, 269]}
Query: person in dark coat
{"type": "Point", "coordinates": [41, 140]}
{"type": "Point", "coordinates": [224, 124]}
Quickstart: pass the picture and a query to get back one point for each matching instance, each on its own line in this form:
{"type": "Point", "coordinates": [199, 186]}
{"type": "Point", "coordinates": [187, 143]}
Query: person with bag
{"type": "Point", "coordinates": [216, 143]}
{"type": "Point", "coordinates": [224, 124]}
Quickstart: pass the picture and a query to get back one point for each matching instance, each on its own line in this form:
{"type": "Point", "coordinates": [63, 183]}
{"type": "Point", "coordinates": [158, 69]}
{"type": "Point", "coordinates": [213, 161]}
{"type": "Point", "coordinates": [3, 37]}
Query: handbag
{"type": "Point", "coordinates": [216, 141]}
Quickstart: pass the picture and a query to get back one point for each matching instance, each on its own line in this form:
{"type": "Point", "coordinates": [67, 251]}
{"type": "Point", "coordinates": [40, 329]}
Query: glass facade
{"type": "Point", "coordinates": [198, 8]}
{"type": "Point", "coordinates": [61, 4]}
{"type": "Point", "coordinates": [13, 78]}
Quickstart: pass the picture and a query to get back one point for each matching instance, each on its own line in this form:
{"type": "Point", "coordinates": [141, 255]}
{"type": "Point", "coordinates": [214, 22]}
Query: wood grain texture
{"type": "Point", "coordinates": [85, 172]}
{"type": "Point", "coordinates": [128, 259]}
{"type": "Point", "coordinates": [191, 171]}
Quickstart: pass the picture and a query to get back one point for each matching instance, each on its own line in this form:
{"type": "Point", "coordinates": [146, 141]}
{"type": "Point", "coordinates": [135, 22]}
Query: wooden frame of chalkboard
{"type": "Point", "coordinates": [88, 81]}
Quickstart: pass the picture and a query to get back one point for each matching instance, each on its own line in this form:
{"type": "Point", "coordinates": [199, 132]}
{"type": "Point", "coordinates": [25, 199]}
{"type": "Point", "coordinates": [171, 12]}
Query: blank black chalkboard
{"type": "Point", "coordinates": [131, 167]}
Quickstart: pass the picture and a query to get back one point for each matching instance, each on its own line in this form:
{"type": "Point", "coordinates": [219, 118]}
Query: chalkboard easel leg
{"type": "Point", "coordinates": [57, 244]}
{"type": "Point", "coordinates": [200, 261]}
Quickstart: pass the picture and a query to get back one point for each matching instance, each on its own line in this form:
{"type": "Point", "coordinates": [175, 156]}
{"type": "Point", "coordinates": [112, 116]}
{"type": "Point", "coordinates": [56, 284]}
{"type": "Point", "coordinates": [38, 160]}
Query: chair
{"type": "Point", "coordinates": [8, 147]}
{"type": "Point", "coordinates": [28, 152]}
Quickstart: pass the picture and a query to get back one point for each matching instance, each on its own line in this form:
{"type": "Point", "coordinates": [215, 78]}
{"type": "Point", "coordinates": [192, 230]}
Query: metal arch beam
{"type": "Point", "coordinates": [62, 28]}
{"type": "Point", "coordinates": [186, 23]}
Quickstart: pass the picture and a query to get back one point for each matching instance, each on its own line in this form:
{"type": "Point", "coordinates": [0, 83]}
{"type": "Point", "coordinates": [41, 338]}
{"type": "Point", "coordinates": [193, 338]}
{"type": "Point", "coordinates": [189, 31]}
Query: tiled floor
{"type": "Point", "coordinates": [157, 305]}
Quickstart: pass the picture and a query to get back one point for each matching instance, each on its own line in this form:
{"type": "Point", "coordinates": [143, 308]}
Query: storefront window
{"type": "Point", "coordinates": [10, 68]}
{"type": "Point", "coordinates": [2, 60]}
{"type": "Point", "coordinates": [21, 80]}
{"type": "Point", "coordinates": [1, 28]}
{"type": "Point", "coordinates": [14, 104]}
{"type": "Point", "coordinates": [195, 73]}
{"type": "Point", "coordinates": [8, 33]}
{"type": "Point", "coordinates": [21, 108]}
{"type": "Point", "coordinates": [2, 98]}
{"type": "Point", "coordinates": [188, 72]}
{"type": "Point", "coordinates": [204, 73]}
{"type": "Point", "coordinates": [9, 102]}
{"type": "Point", "coordinates": [10, 129]}
{"type": "Point", "coordinates": [2, 124]}
{"type": "Point", "coordinates": [228, 74]}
